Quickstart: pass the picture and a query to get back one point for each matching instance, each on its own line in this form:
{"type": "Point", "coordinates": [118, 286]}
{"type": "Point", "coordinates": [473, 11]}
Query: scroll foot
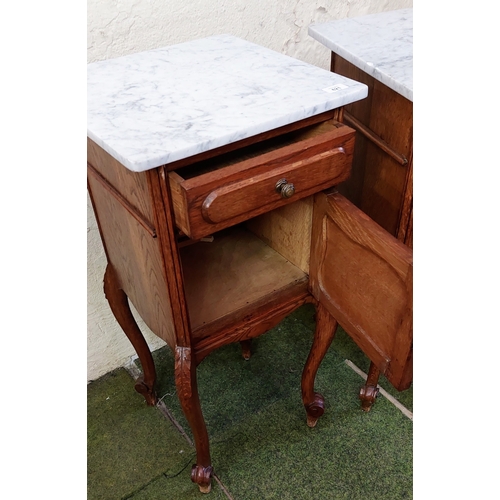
{"type": "Point", "coordinates": [368, 394]}
{"type": "Point", "coordinates": [202, 477]}
{"type": "Point", "coordinates": [369, 391]}
{"type": "Point", "coordinates": [246, 348]}
{"type": "Point", "coordinates": [315, 409]}
{"type": "Point", "coordinates": [147, 392]}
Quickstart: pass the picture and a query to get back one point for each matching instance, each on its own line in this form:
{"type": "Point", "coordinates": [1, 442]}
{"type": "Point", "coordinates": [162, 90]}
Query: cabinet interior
{"type": "Point", "coordinates": [247, 265]}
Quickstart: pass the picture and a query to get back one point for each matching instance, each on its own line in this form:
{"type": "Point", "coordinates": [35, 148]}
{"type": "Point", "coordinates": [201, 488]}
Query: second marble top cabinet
{"type": "Point", "coordinates": [381, 183]}
{"type": "Point", "coordinates": [377, 50]}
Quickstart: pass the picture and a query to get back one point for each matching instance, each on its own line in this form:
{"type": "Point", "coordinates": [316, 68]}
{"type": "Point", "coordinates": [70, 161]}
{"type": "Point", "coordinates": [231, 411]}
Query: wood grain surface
{"type": "Point", "coordinates": [363, 276]}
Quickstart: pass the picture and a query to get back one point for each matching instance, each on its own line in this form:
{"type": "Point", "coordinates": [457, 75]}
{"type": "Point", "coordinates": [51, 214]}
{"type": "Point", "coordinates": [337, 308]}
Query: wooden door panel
{"type": "Point", "coordinates": [363, 276]}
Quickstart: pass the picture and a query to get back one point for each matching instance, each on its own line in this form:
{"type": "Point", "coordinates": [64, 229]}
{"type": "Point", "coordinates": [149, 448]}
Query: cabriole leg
{"type": "Point", "coordinates": [369, 391]}
{"type": "Point", "coordinates": [326, 327]}
{"type": "Point", "coordinates": [118, 302]}
{"type": "Point", "coordinates": [187, 390]}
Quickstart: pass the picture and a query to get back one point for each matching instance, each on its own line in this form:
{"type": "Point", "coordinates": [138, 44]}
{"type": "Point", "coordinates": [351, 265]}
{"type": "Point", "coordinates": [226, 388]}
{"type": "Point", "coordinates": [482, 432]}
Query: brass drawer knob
{"type": "Point", "coordinates": [284, 188]}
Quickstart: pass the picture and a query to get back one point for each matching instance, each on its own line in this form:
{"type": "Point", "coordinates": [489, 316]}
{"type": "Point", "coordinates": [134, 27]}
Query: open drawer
{"type": "Point", "coordinates": [364, 277]}
{"type": "Point", "coordinates": [219, 192]}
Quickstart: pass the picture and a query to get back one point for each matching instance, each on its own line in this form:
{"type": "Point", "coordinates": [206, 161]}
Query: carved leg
{"type": "Point", "coordinates": [326, 327]}
{"type": "Point", "coordinates": [246, 348]}
{"type": "Point", "coordinates": [118, 302]}
{"type": "Point", "coordinates": [369, 391]}
{"type": "Point", "coordinates": [187, 390]}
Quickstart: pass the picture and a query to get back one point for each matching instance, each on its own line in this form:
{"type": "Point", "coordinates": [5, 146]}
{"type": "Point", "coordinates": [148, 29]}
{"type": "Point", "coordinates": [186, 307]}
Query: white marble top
{"type": "Point", "coordinates": [379, 44]}
{"type": "Point", "coordinates": [152, 108]}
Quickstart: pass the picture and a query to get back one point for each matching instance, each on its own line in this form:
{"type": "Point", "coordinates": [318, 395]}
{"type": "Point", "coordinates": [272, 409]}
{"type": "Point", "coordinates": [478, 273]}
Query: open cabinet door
{"type": "Point", "coordinates": [364, 278]}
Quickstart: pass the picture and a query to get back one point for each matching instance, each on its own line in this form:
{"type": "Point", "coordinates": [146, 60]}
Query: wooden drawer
{"type": "Point", "coordinates": [222, 191]}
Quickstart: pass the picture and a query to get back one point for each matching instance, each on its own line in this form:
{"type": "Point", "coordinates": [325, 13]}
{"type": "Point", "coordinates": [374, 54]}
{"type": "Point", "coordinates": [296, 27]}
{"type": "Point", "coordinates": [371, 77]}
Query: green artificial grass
{"type": "Point", "coordinates": [132, 448]}
{"type": "Point", "coordinates": [261, 446]}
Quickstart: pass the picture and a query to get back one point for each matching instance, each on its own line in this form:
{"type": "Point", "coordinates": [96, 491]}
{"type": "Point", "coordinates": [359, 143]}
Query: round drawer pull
{"type": "Point", "coordinates": [284, 188]}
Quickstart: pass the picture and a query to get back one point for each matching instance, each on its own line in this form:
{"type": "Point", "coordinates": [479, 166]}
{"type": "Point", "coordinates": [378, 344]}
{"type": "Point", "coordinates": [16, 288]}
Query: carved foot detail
{"type": "Point", "coordinates": [202, 477]}
{"type": "Point", "coordinates": [315, 409]}
{"type": "Point", "coordinates": [369, 391]}
{"type": "Point", "coordinates": [148, 392]}
{"type": "Point", "coordinates": [367, 395]}
{"type": "Point", "coordinates": [246, 349]}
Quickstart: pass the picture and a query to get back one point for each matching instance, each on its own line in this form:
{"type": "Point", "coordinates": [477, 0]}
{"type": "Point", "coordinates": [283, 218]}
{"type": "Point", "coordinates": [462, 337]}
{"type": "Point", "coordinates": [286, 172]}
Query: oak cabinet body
{"type": "Point", "coordinates": [266, 258]}
{"type": "Point", "coordinates": [213, 196]}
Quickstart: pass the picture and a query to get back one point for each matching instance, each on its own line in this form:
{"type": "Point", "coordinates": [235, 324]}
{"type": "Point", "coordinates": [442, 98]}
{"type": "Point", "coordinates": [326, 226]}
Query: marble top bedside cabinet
{"type": "Point", "coordinates": [211, 170]}
{"type": "Point", "coordinates": [377, 50]}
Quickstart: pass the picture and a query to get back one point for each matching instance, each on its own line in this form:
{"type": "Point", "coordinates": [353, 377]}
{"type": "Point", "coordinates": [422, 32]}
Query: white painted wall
{"type": "Point", "coordinates": [119, 27]}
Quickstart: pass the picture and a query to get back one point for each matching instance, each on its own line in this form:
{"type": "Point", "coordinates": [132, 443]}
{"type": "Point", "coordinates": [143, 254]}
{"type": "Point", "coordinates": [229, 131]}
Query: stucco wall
{"type": "Point", "coordinates": [119, 27]}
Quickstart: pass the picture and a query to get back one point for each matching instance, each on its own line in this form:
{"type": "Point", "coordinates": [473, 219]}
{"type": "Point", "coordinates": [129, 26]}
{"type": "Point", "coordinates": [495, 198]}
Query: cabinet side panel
{"type": "Point", "coordinates": [131, 185]}
{"type": "Point", "coordinates": [385, 112]}
{"type": "Point", "coordinates": [378, 182]}
{"type": "Point", "coordinates": [133, 250]}
{"type": "Point", "coordinates": [383, 188]}
{"type": "Point", "coordinates": [352, 188]}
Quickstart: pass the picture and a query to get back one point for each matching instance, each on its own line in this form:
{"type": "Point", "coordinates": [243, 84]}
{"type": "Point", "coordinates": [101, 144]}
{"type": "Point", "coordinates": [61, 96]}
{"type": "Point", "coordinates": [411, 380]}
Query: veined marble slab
{"type": "Point", "coordinates": [379, 44]}
{"type": "Point", "coordinates": [152, 108]}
